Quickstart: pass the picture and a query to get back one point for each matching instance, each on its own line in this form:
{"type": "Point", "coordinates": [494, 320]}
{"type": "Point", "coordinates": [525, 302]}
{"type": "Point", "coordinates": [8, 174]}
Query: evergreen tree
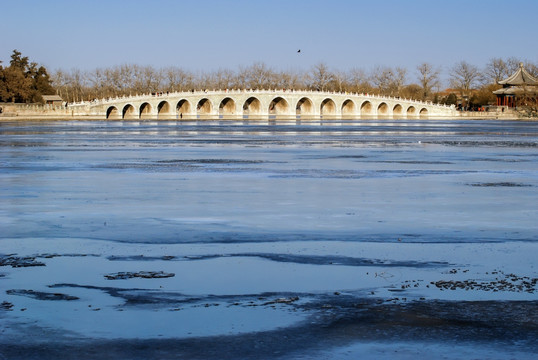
{"type": "Point", "coordinates": [24, 81]}
{"type": "Point", "coordinates": [18, 62]}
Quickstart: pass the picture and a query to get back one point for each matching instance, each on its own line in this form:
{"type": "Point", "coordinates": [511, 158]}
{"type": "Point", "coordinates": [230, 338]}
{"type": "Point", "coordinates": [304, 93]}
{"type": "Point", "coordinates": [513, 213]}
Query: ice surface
{"type": "Point", "coordinates": [271, 229]}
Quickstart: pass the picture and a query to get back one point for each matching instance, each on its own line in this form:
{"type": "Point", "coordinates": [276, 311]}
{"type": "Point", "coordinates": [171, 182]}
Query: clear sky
{"type": "Point", "coordinates": [203, 35]}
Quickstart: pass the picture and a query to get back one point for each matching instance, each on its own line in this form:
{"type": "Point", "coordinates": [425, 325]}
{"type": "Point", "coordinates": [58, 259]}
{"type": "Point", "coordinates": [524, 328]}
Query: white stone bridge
{"type": "Point", "coordinates": [259, 104]}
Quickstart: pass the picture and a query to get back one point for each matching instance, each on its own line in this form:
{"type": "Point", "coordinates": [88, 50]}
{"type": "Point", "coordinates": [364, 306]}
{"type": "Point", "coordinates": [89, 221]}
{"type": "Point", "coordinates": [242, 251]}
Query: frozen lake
{"type": "Point", "coordinates": [219, 239]}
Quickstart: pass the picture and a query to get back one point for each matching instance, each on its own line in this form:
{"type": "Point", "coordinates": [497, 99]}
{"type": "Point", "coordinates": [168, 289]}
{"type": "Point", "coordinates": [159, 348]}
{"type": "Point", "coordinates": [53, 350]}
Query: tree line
{"type": "Point", "coordinates": [424, 82]}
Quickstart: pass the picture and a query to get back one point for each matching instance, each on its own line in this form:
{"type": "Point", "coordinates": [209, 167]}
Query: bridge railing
{"type": "Point", "coordinates": [252, 91]}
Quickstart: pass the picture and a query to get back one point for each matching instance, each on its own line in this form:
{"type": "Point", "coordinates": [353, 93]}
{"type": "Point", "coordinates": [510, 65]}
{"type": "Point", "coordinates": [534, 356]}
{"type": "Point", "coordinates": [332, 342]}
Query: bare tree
{"type": "Point", "coordinates": [464, 76]}
{"type": "Point", "coordinates": [381, 78]}
{"type": "Point", "coordinates": [151, 79]}
{"type": "Point", "coordinates": [289, 80]}
{"type": "Point", "coordinates": [387, 80]}
{"type": "Point", "coordinates": [428, 77]}
{"type": "Point", "coordinates": [257, 76]}
{"type": "Point", "coordinates": [512, 64]}
{"type": "Point", "coordinates": [320, 77]}
{"type": "Point", "coordinates": [340, 81]}
{"type": "Point", "coordinates": [224, 79]}
{"type": "Point", "coordinates": [59, 81]}
{"type": "Point", "coordinates": [532, 68]}
{"type": "Point", "coordinates": [399, 80]}
{"type": "Point", "coordinates": [496, 70]}
{"type": "Point", "coordinates": [358, 81]}
{"type": "Point", "coordinates": [412, 91]}
{"type": "Point", "coordinates": [127, 78]}
{"type": "Point", "coordinates": [176, 79]}
{"type": "Point", "coordinates": [96, 82]}
{"type": "Point", "coordinates": [119, 78]}
{"type": "Point", "coordinates": [77, 84]}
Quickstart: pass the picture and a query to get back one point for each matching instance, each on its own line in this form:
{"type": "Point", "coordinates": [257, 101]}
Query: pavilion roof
{"type": "Point", "coordinates": [515, 90]}
{"type": "Point", "coordinates": [520, 77]}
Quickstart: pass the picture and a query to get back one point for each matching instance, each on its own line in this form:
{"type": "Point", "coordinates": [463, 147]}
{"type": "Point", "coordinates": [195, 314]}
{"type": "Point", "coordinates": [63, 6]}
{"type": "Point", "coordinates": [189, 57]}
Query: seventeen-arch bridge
{"type": "Point", "coordinates": [260, 104]}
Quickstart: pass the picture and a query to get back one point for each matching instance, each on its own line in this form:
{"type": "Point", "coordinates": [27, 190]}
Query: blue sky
{"type": "Point", "coordinates": [207, 35]}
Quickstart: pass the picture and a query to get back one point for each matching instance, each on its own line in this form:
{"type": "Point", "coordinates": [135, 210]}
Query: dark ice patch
{"type": "Point", "coordinates": [144, 297]}
{"type": "Point", "coordinates": [290, 258]}
{"type": "Point", "coordinates": [40, 295]}
{"type": "Point", "coordinates": [140, 258]}
{"type": "Point", "coordinates": [19, 261]}
{"type": "Point", "coordinates": [211, 161]}
{"type": "Point", "coordinates": [6, 305]}
{"type": "Point", "coordinates": [326, 157]}
{"type": "Point", "coordinates": [415, 162]}
{"type": "Point", "coordinates": [340, 260]}
{"type": "Point", "coordinates": [351, 174]}
{"type": "Point", "coordinates": [500, 160]}
{"type": "Point", "coordinates": [500, 184]}
{"type": "Point", "coordinates": [139, 274]}
{"type": "Point", "coordinates": [222, 165]}
{"type": "Point", "coordinates": [503, 282]}
{"type": "Point", "coordinates": [29, 261]}
{"type": "Point", "coordinates": [492, 143]}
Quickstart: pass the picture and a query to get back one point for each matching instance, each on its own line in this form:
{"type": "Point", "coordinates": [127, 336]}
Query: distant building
{"type": "Point", "coordinates": [520, 86]}
{"type": "Point", "coordinates": [53, 100]}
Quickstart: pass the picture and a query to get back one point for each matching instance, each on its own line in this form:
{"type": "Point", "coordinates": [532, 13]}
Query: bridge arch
{"type": "Point", "coordinates": [113, 113]}
{"type": "Point", "coordinates": [328, 107]}
{"type": "Point", "coordinates": [411, 111]}
{"type": "Point", "coordinates": [383, 109]}
{"type": "Point", "coordinates": [397, 110]}
{"type": "Point", "coordinates": [252, 106]}
{"type": "Point", "coordinates": [304, 107]}
{"type": "Point", "coordinates": [366, 108]}
{"type": "Point", "coordinates": [279, 106]}
{"type": "Point", "coordinates": [129, 112]}
{"type": "Point", "coordinates": [145, 110]}
{"type": "Point", "coordinates": [227, 106]}
{"type": "Point", "coordinates": [204, 107]}
{"type": "Point", "coordinates": [349, 108]}
{"type": "Point", "coordinates": [423, 112]}
{"type": "Point", "coordinates": [164, 108]}
{"type": "Point", "coordinates": [183, 107]}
